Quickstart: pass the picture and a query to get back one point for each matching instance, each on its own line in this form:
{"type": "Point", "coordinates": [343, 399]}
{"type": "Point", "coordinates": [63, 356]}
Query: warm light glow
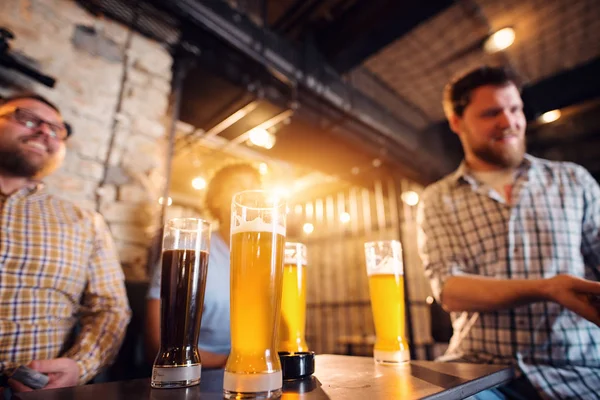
{"type": "Point", "coordinates": [199, 183]}
{"type": "Point", "coordinates": [308, 228]}
{"type": "Point", "coordinates": [263, 168]}
{"type": "Point", "coordinates": [410, 198]}
{"type": "Point", "coordinates": [344, 218]}
{"type": "Point", "coordinates": [499, 40]}
{"type": "Point", "coordinates": [281, 191]}
{"type": "Point", "coordinates": [262, 138]}
{"type": "Point", "coordinates": [550, 116]}
{"type": "Point", "coordinates": [298, 208]}
{"type": "Point", "coordinates": [169, 201]}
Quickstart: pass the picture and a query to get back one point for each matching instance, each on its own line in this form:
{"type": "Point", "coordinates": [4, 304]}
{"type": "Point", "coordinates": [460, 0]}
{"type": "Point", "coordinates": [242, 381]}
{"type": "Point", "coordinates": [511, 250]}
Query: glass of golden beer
{"type": "Point", "coordinates": [183, 279]}
{"type": "Point", "coordinates": [293, 299]}
{"type": "Point", "coordinates": [386, 285]}
{"type": "Point", "coordinates": [253, 369]}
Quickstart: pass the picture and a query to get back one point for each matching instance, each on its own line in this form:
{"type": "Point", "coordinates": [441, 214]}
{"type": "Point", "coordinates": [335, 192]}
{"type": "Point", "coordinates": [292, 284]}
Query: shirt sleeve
{"type": "Point", "coordinates": [590, 234]}
{"type": "Point", "coordinates": [438, 245]}
{"type": "Point", "coordinates": [104, 312]}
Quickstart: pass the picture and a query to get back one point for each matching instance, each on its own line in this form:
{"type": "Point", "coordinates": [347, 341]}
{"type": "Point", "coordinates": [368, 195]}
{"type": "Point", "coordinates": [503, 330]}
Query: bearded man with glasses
{"type": "Point", "coordinates": [58, 266]}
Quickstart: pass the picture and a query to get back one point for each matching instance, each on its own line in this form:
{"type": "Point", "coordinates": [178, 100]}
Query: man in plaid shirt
{"type": "Point", "coordinates": [58, 265]}
{"type": "Point", "coordinates": [511, 244]}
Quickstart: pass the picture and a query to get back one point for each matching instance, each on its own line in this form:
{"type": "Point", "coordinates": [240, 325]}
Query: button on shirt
{"type": "Point", "coordinates": [58, 268]}
{"type": "Point", "coordinates": [551, 227]}
{"type": "Point", "coordinates": [214, 328]}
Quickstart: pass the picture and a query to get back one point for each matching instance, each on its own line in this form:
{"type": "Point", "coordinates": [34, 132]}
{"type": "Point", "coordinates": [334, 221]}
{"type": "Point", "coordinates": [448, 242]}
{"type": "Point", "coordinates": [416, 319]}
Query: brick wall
{"type": "Point", "coordinates": [113, 87]}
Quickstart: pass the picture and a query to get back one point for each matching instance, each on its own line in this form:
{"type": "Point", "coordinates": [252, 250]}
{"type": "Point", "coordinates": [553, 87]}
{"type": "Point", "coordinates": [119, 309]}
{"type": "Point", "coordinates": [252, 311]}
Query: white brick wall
{"type": "Point", "coordinates": [89, 89]}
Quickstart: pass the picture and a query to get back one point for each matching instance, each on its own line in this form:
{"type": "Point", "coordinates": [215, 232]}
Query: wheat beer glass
{"type": "Point", "coordinates": [253, 369]}
{"type": "Point", "coordinates": [293, 299]}
{"type": "Point", "coordinates": [386, 285]}
{"type": "Point", "coordinates": [183, 279]}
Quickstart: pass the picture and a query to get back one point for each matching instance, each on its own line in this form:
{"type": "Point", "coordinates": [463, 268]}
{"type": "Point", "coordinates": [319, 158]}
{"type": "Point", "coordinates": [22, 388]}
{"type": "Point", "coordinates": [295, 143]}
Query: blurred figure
{"type": "Point", "coordinates": [214, 342]}
{"type": "Point", "coordinates": [511, 244]}
{"type": "Point", "coordinates": [58, 264]}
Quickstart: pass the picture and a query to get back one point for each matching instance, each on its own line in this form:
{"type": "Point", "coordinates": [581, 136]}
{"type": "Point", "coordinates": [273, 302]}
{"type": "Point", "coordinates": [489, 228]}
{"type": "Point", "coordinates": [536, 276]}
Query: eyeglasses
{"type": "Point", "coordinates": [30, 120]}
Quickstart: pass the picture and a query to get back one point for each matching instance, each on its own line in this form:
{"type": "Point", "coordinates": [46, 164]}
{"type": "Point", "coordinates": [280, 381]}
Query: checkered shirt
{"type": "Point", "coordinates": [552, 226]}
{"type": "Point", "coordinates": [58, 267]}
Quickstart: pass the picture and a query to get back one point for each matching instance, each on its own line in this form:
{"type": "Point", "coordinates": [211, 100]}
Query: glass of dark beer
{"type": "Point", "coordinates": [183, 279]}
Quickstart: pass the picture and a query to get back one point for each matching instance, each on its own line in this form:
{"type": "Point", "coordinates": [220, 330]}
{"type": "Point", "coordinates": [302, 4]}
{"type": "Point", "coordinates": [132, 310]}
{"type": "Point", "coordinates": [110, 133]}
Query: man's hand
{"type": "Point", "coordinates": [63, 372]}
{"type": "Point", "coordinates": [576, 294]}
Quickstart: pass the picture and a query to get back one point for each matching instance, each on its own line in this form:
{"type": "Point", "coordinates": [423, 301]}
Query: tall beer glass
{"type": "Point", "coordinates": [386, 285]}
{"type": "Point", "coordinates": [183, 279]}
{"type": "Point", "coordinates": [293, 300]}
{"type": "Point", "coordinates": [253, 369]}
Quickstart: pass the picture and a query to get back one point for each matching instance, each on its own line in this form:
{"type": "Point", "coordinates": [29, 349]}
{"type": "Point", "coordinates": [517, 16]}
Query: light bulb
{"type": "Point", "coordinates": [199, 183]}
{"type": "Point", "coordinates": [344, 218]}
{"type": "Point", "coordinates": [550, 116]}
{"type": "Point", "coordinates": [410, 198]}
{"type": "Point", "coordinates": [169, 201]}
{"type": "Point", "coordinates": [499, 40]}
{"type": "Point", "coordinates": [263, 168]}
{"type": "Point", "coordinates": [262, 138]}
{"type": "Point", "coordinates": [308, 228]}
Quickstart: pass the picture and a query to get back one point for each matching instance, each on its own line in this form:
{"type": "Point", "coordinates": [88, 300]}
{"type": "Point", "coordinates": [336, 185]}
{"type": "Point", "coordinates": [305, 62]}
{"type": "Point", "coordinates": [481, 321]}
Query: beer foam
{"type": "Point", "coordinates": [389, 265]}
{"type": "Point", "coordinates": [295, 253]}
{"type": "Point", "coordinates": [256, 225]}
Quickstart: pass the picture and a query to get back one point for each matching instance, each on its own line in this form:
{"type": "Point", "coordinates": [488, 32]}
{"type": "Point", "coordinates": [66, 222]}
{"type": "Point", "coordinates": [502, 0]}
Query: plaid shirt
{"type": "Point", "coordinates": [552, 226]}
{"type": "Point", "coordinates": [58, 267]}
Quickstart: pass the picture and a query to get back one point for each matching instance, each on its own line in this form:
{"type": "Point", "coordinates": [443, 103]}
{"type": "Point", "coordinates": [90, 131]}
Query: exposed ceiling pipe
{"type": "Point", "coordinates": [271, 122]}
{"type": "Point", "coordinates": [280, 55]}
{"type": "Point", "coordinates": [217, 129]}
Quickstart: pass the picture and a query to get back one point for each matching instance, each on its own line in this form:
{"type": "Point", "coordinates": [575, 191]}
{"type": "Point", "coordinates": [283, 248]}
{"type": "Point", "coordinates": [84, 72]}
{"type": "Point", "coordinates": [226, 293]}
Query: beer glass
{"type": "Point", "coordinates": [293, 299]}
{"type": "Point", "coordinates": [183, 279]}
{"type": "Point", "coordinates": [386, 285]}
{"type": "Point", "coordinates": [253, 369]}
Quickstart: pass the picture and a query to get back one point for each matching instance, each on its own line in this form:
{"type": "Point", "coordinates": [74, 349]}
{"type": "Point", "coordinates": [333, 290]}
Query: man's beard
{"type": "Point", "coordinates": [502, 156]}
{"type": "Point", "coordinates": [15, 163]}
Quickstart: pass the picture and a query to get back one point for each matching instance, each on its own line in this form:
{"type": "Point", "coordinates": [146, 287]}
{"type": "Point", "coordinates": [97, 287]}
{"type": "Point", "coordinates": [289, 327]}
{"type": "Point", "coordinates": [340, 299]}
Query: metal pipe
{"type": "Point", "coordinates": [182, 64]}
{"type": "Point", "coordinates": [281, 56]}
{"type": "Point", "coordinates": [271, 122]}
{"type": "Point", "coordinates": [220, 127]}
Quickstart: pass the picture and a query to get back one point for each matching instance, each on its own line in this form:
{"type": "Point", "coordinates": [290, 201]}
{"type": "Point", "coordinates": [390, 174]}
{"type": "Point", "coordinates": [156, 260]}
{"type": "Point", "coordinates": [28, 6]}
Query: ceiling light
{"type": "Point", "coordinates": [263, 168]}
{"type": "Point", "coordinates": [262, 138]}
{"type": "Point", "coordinates": [499, 40]}
{"type": "Point", "coordinates": [410, 198]}
{"type": "Point", "coordinates": [550, 116]}
{"type": "Point", "coordinates": [344, 218]}
{"type": "Point", "coordinates": [169, 201]}
{"type": "Point", "coordinates": [199, 183]}
{"type": "Point", "coordinates": [308, 228]}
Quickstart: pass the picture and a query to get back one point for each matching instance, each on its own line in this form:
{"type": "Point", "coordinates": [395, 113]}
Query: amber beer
{"type": "Point", "coordinates": [183, 281]}
{"type": "Point", "coordinates": [257, 243]}
{"type": "Point", "coordinates": [386, 286]}
{"type": "Point", "coordinates": [293, 300]}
